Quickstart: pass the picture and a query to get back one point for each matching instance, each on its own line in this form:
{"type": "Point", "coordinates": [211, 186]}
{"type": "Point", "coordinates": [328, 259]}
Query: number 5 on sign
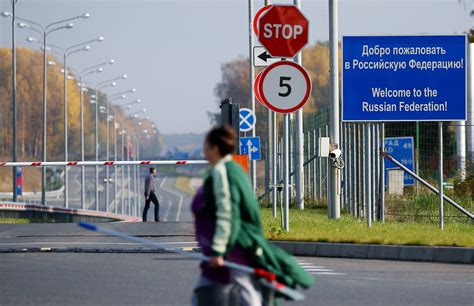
{"type": "Point", "coordinates": [284, 87]}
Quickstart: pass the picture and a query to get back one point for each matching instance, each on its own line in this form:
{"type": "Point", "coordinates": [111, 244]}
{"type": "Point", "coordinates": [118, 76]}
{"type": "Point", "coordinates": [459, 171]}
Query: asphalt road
{"type": "Point", "coordinates": [174, 204]}
{"type": "Point", "coordinates": [164, 279]}
{"type": "Point", "coordinates": [95, 278]}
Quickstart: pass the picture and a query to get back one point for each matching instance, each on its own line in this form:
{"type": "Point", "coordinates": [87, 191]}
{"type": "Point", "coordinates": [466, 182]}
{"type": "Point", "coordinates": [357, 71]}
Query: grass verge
{"type": "Point", "coordinates": [15, 220]}
{"type": "Point", "coordinates": [313, 225]}
{"type": "Point", "coordinates": [183, 183]}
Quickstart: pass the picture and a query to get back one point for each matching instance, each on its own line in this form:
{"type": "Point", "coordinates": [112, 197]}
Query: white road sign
{"type": "Point", "coordinates": [284, 87]}
{"type": "Point", "coordinates": [261, 57]}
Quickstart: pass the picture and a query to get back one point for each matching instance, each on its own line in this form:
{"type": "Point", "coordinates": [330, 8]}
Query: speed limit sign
{"type": "Point", "coordinates": [284, 87]}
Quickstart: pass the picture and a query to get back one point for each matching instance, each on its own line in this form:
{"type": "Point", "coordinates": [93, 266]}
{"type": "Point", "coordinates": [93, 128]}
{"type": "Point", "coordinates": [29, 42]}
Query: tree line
{"type": "Point", "coordinates": [30, 114]}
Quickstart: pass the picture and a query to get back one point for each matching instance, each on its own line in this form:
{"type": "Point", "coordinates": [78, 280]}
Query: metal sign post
{"type": "Point", "coordinates": [334, 180]}
{"type": "Point", "coordinates": [253, 166]}
{"type": "Point", "coordinates": [441, 188]}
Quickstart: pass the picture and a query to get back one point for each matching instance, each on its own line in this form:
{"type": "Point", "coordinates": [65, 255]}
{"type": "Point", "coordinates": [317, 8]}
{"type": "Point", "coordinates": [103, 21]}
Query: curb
{"type": "Point", "coordinates": [14, 209]}
{"type": "Point", "coordinates": [375, 251]}
{"type": "Point", "coordinates": [97, 250]}
{"type": "Point", "coordinates": [317, 249]}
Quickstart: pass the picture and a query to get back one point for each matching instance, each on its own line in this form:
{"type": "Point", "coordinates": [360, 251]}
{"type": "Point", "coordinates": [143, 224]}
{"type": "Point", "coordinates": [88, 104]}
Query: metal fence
{"type": "Point", "coordinates": [367, 187]}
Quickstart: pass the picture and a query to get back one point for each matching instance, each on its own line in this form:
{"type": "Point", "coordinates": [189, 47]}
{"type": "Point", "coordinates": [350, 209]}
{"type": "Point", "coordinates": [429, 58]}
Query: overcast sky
{"type": "Point", "coordinates": [172, 50]}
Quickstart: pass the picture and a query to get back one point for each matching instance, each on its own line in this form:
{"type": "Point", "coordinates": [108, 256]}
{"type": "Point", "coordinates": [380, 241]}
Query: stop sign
{"type": "Point", "coordinates": [283, 30]}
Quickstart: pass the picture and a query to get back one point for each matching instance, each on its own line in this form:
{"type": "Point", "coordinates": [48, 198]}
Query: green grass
{"type": "Point", "coordinates": [183, 183]}
{"type": "Point", "coordinates": [313, 225]}
{"type": "Point", "coordinates": [15, 220]}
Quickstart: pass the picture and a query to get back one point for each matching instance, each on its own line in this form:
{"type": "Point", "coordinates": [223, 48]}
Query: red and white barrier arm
{"type": "Point", "coordinates": [104, 163]}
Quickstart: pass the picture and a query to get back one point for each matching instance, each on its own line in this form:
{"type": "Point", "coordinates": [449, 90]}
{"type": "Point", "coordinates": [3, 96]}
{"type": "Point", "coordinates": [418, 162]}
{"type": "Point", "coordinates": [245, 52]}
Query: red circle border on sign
{"type": "Point", "coordinates": [256, 88]}
{"type": "Point", "coordinates": [257, 17]}
{"type": "Point", "coordinates": [299, 105]}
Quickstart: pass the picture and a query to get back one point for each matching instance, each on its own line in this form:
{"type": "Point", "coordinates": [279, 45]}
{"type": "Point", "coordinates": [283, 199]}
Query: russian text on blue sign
{"type": "Point", "coordinates": [247, 120]}
{"type": "Point", "coordinates": [250, 145]}
{"type": "Point", "coordinates": [404, 78]}
{"type": "Point", "coordinates": [402, 149]}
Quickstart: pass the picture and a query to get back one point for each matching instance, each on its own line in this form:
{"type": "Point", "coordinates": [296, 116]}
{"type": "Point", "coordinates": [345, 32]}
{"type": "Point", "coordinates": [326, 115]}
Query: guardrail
{"type": "Point", "coordinates": [14, 209]}
{"type": "Point", "coordinates": [103, 163]}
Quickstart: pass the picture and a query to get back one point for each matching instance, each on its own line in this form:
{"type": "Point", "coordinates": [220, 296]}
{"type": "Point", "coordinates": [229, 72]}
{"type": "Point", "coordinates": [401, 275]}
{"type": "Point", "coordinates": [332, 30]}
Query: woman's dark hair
{"type": "Point", "coordinates": [152, 169]}
{"type": "Point", "coordinates": [223, 137]}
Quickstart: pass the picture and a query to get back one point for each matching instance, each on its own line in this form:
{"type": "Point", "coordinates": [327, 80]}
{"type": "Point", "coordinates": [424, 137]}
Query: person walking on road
{"type": "Point", "coordinates": [150, 195]}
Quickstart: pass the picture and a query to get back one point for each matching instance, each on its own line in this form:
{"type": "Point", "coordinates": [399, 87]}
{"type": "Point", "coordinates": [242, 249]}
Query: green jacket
{"type": "Point", "coordinates": [228, 194]}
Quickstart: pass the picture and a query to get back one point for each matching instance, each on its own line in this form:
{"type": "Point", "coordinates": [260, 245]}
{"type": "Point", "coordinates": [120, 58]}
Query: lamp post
{"type": "Point", "coordinates": [82, 74]}
{"type": "Point", "coordinates": [45, 31]}
{"type": "Point", "coordinates": [132, 116]}
{"type": "Point", "coordinates": [109, 83]}
{"type": "Point", "coordinates": [122, 96]}
{"type": "Point", "coordinates": [122, 133]}
{"type": "Point", "coordinates": [14, 108]}
{"type": "Point", "coordinates": [84, 46]}
{"type": "Point", "coordinates": [116, 126]}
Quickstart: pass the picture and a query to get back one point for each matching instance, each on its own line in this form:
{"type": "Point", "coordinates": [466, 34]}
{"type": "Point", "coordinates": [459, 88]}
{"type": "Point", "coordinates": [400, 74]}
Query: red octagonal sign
{"type": "Point", "coordinates": [283, 30]}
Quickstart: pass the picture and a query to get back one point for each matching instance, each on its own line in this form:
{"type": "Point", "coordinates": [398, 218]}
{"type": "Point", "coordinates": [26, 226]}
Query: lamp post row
{"type": "Point", "coordinates": [45, 31]}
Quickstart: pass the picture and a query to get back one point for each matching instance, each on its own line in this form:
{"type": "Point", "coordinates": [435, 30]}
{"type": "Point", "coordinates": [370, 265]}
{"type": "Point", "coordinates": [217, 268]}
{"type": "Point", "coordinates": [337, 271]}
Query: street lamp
{"type": "Point", "coordinates": [82, 74]}
{"type": "Point", "coordinates": [105, 84]}
{"type": "Point", "coordinates": [65, 53]}
{"type": "Point", "coordinates": [123, 77]}
{"type": "Point", "coordinates": [136, 146]}
{"type": "Point", "coordinates": [45, 31]}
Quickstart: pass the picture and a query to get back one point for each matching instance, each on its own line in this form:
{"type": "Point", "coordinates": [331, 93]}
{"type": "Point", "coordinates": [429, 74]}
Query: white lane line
{"type": "Point", "coordinates": [319, 270]}
{"type": "Point", "coordinates": [167, 211]}
{"type": "Point", "coordinates": [163, 181]}
{"type": "Point", "coordinates": [311, 266]}
{"type": "Point", "coordinates": [179, 209]}
{"type": "Point", "coordinates": [326, 273]}
{"type": "Point", "coordinates": [85, 242]}
{"type": "Point", "coordinates": [180, 197]}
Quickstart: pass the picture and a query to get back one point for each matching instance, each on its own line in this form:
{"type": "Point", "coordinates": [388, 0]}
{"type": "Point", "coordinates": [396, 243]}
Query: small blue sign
{"type": "Point", "coordinates": [404, 78]}
{"type": "Point", "coordinates": [19, 181]}
{"type": "Point", "coordinates": [247, 120]}
{"type": "Point", "coordinates": [401, 149]}
{"type": "Point", "coordinates": [250, 145]}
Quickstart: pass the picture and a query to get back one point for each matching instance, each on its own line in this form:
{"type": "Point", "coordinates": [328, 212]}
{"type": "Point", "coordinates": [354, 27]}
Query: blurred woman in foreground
{"type": "Point", "coordinates": [228, 225]}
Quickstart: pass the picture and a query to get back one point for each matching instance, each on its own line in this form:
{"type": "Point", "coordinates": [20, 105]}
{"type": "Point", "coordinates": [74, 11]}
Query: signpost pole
{"type": "Point", "coordinates": [417, 156]}
{"type": "Point", "coordinates": [252, 93]}
{"type": "Point", "coordinates": [382, 174]}
{"type": "Point", "coordinates": [270, 154]}
{"type": "Point", "coordinates": [299, 143]}
{"type": "Point", "coordinates": [367, 174]}
{"type": "Point", "coordinates": [441, 188]}
{"type": "Point", "coordinates": [274, 162]}
{"type": "Point", "coordinates": [334, 173]}
{"type": "Point", "coordinates": [286, 172]}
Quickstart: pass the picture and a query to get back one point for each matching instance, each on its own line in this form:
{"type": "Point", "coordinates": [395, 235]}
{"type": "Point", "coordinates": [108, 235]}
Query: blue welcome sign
{"type": "Point", "coordinates": [404, 78]}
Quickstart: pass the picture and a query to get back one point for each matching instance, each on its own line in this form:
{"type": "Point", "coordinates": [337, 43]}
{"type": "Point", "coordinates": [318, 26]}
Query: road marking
{"type": "Point", "coordinates": [179, 209]}
{"type": "Point", "coordinates": [163, 181]}
{"type": "Point", "coordinates": [180, 197]}
{"type": "Point", "coordinates": [167, 211]}
{"type": "Point", "coordinates": [318, 270]}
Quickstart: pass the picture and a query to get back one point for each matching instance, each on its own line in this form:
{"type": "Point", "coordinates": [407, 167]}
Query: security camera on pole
{"type": "Point", "coordinates": [285, 86]}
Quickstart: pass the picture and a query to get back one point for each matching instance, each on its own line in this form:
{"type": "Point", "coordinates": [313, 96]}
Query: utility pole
{"type": "Point", "coordinates": [252, 93]}
{"type": "Point", "coordinates": [334, 178]}
{"type": "Point", "coordinates": [14, 109]}
{"type": "Point", "coordinates": [299, 143]}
